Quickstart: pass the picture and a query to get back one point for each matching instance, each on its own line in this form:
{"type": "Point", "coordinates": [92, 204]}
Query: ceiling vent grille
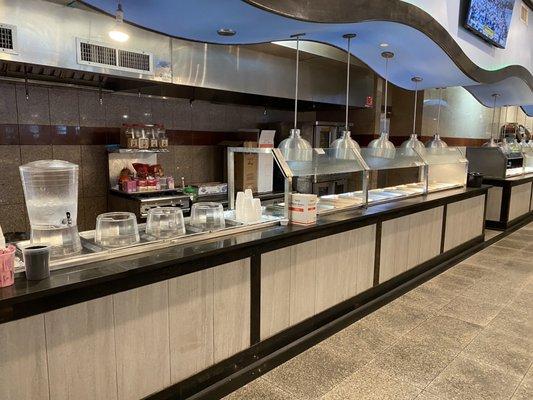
{"type": "Point", "coordinates": [8, 39]}
{"type": "Point", "coordinates": [98, 54]}
{"type": "Point", "coordinates": [524, 13]}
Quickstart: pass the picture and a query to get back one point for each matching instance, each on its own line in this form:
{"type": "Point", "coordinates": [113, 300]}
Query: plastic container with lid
{"type": "Point", "coordinates": [51, 193]}
{"type": "Point", "coordinates": [116, 229]}
{"type": "Point", "coordinates": [165, 222]}
{"type": "Point", "coordinates": [207, 216]}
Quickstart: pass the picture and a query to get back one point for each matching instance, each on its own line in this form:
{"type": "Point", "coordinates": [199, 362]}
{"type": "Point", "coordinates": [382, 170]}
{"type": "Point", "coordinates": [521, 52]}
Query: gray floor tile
{"type": "Point", "coordinates": [428, 296]}
{"type": "Point", "coordinates": [489, 291]}
{"type": "Point", "coordinates": [360, 342]}
{"type": "Point", "coordinates": [489, 258]}
{"type": "Point", "coordinates": [471, 310]}
{"type": "Point", "coordinates": [310, 374]}
{"type": "Point", "coordinates": [502, 351]}
{"type": "Point", "coordinates": [467, 379]}
{"type": "Point", "coordinates": [515, 322]}
{"type": "Point", "coordinates": [446, 332]}
{"type": "Point", "coordinates": [523, 301]}
{"type": "Point", "coordinates": [397, 318]}
{"type": "Point", "coordinates": [452, 283]}
{"type": "Point", "coordinates": [510, 243]}
{"type": "Point", "coordinates": [471, 271]}
{"type": "Point", "coordinates": [372, 383]}
{"type": "Point", "coordinates": [425, 395]}
{"type": "Point", "coordinates": [415, 362]}
{"type": "Point", "coordinates": [259, 390]}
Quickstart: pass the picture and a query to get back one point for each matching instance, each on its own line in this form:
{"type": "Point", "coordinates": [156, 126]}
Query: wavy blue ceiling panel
{"type": "Point", "coordinates": [200, 20]}
{"type": "Point", "coordinates": [415, 53]}
{"type": "Point", "coordinates": [511, 91]}
{"type": "Point", "coordinates": [528, 110]}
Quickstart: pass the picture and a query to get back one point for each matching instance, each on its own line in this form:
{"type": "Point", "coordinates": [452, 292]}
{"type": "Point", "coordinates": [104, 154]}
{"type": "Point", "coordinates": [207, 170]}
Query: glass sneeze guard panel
{"type": "Point", "coordinates": [311, 162]}
{"type": "Point", "coordinates": [527, 153]}
{"type": "Point", "coordinates": [337, 175]}
{"type": "Point", "coordinates": [447, 167]}
{"type": "Point", "coordinates": [394, 174]}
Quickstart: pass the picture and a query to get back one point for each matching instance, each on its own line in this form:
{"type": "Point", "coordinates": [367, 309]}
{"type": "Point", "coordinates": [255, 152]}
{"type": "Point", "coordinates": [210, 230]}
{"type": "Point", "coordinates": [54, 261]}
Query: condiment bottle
{"type": "Point", "coordinates": [154, 142]}
{"type": "Point", "coordinates": [162, 137]}
{"type": "Point", "coordinates": [144, 142]}
{"type": "Point", "coordinates": [131, 140]}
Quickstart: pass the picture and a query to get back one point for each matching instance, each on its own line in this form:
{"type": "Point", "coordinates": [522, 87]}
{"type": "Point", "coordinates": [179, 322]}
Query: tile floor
{"type": "Point", "coordinates": [465, 334]}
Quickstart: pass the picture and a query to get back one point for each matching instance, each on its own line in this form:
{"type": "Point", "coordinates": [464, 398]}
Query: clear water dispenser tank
{"type": "Point", "coordinates": [51, 192]}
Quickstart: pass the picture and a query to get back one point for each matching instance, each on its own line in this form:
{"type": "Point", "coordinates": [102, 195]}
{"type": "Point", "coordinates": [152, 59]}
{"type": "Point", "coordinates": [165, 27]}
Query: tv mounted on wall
{"type": "Point", "coordinates": [490, 19]}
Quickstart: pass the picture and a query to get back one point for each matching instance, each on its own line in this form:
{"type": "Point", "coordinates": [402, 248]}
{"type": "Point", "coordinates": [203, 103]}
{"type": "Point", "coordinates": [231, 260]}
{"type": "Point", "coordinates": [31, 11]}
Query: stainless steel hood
{"type": "Point", "coordinates": [52, 34]}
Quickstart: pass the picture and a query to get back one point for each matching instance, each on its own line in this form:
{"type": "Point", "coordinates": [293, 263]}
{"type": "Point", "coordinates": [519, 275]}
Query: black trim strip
{"type": "Point", "coordinates": [255, 297]}
{"type": "Point", "coordinates": [377, 252]}
{"type": "Point", "coordinates": [443, 231]}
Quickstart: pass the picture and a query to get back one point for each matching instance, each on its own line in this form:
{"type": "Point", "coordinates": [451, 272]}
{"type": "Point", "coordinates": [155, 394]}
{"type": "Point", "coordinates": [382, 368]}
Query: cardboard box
{"type": "Point", "coordinates": [302, 208]}
{"type": "Point", "coordinates": [265, 167]}
{"type": "Point", "coordinates": [246, 169]}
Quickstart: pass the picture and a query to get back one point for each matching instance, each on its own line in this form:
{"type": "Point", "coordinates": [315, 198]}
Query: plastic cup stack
{"type": "Point", "coordinates": [247, 209]}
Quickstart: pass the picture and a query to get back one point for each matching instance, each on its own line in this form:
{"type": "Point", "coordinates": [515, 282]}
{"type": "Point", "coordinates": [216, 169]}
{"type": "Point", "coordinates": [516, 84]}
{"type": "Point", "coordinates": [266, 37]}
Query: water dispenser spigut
{"type": "Point", "coordinates": [51, 193]}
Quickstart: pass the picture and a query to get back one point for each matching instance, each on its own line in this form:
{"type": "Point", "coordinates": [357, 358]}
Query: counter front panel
{"type": "Point", "coordinates": [177, 321]}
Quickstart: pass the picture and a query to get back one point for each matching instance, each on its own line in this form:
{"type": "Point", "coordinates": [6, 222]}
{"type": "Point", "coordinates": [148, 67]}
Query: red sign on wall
{"type": "Point", "coordinates": [369, 102]}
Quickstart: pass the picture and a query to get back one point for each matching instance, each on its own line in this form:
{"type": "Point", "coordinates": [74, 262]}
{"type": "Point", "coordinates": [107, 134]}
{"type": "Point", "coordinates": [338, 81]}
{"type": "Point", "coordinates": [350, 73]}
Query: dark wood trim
{"type": "Point", "coordinates": [443, 230]}
{"type": "Point", "coordinates": [255, 299]}
{"type": "Point", "coordinates": [504, 226]}
{"type": "Point", "coordinates": [377, 252]}
{"type": "Point", "coordinates": [228, 375]}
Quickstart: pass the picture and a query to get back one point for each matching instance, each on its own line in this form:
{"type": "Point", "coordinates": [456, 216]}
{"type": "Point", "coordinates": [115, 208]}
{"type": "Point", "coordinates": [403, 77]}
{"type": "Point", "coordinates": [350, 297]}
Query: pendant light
{"type": "Point", "coordinates": [346, 142]}
{"type": "Point", "coordinates": [118, 32]}
{"type": "Point", "coordinates": [383, 144]}
{"type": "Point", "coordinates": [493, 142]}
{"type": "Point", "coordinates": [413, 142]}
{"type": "Point", "coordinates": [296, 148]}
{"type": "Point", "coordinates": [436, 142]}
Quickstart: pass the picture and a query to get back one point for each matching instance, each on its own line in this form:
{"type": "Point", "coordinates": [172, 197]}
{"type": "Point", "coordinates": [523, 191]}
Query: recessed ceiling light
{"type": "Point", "coordinates": [383, 45]}
{"type": "Point", "coordinates": [226, 32]}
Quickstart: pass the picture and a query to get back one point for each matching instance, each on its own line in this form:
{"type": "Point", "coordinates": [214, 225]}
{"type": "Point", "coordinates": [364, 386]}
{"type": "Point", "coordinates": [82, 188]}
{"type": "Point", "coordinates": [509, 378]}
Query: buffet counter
{"type": "Point", "coordinates": [177, 320]}
{"type": "Point", "coordinates": [509, 200]}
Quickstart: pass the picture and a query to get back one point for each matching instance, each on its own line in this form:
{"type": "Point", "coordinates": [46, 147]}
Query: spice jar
{"type": "Point", "coordinates": [162, 137]}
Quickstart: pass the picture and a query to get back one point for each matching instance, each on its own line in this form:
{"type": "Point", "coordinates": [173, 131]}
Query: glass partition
{"type": "Point", "coordinates": [528, 159]}
{"type": "Point", "coordinates": [337, 176]}
{"type": "Point", "coordinates": [447, 167]}
{"type": "Point", "coordinates": [394, 174]}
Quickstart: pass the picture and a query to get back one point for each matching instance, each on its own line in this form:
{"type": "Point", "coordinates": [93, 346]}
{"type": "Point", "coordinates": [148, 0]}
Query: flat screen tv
{"type": "Point", "coordinates": [490, 19]}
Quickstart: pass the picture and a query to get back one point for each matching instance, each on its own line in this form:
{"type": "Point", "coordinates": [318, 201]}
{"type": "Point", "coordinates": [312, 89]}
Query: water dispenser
{"type": "Point", "coordinates": [51, 192]}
